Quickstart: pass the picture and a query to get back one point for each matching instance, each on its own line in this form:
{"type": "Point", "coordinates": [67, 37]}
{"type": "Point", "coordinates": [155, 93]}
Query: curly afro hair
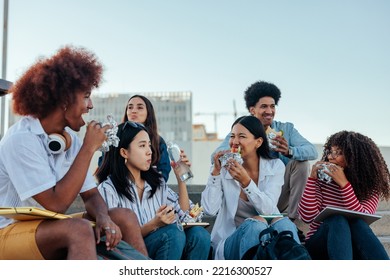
{"type": "Point", "coordinates": [258, 90]}
{"type": "Point", "coordinates": [366, 168]}
{"type": "Point", "coordinates": [55, 81]}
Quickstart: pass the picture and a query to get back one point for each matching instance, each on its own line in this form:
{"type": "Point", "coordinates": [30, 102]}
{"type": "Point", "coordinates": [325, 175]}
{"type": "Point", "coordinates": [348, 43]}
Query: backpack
{"type": "Point", "coordinates": [280, 246]}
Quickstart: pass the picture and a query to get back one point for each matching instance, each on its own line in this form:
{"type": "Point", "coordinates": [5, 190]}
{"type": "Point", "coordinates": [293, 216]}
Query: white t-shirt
{"type": "Point", "coordinates": [27, 167]}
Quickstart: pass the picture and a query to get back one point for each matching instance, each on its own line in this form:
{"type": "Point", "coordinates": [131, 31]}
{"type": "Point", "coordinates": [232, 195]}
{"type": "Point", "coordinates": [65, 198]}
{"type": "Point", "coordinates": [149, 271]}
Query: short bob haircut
{"type": "Point", "coordinates": [55, 81]}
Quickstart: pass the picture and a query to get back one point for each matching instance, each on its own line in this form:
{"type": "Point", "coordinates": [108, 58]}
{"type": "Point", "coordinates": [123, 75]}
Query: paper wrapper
{"type": "Point", "coordinates": [235, 154]}
{"type": "Point", "coordinates": [322, 175]}
{"type": "Point", "coordinates": [194, 215]}
{"type": "Point", "coordinates": [271, 134]}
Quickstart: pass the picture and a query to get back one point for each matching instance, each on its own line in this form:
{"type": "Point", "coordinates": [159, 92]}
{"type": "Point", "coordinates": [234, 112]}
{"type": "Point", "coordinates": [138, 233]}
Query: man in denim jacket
{"type": "Point", "coordinates": [292, 148]}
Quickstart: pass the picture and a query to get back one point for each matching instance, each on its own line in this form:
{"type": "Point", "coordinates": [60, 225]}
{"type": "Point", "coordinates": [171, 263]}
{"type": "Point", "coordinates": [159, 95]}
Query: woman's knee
{"type": "Point", "coordinates": [336, 220]}
{"type": "Point", "coordinates": [254, 225]}
{"type": "Point", "coordinates": [123, 215]}
{"type": "Point", "coordinates": [198, 233]}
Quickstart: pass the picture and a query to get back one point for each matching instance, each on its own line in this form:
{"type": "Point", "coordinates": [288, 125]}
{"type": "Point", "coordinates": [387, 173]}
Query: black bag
{"type": "Point", "coordinates": [123, 251]}
{"type": "Point", "coordinates": [280, 246]}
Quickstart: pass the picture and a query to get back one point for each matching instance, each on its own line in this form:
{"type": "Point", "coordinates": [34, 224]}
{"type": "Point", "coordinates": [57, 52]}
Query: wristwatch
{"type": "Point", "coordinates": [290, 152]}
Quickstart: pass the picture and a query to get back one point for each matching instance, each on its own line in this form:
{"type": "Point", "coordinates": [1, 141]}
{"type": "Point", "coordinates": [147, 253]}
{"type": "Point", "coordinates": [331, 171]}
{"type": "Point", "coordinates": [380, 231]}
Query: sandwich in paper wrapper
{"type": "Point", "coordinates": [321, 174]}
{"type": "Point", "coordinates": [235, 153]}
{"type": "Point", "coordinates": [194, 215]}
{"type": "Point", "coordinates": [271, 134]}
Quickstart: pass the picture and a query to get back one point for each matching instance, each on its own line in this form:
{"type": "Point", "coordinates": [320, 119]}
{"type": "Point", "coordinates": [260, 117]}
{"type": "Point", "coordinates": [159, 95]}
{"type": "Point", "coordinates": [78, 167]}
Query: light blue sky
{"type": "Point", "coordinates": [331, 59]}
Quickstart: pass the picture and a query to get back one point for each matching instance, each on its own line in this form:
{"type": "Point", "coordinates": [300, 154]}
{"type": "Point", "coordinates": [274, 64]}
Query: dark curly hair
{"type": "Point", "coordinates": [366, 168]}
{"type": "Point", "coordinates": [55, 81]}
{"type": "Point", "coordinates": [258, 90]}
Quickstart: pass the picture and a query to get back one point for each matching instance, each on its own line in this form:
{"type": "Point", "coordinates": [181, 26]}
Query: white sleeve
{"type": "Point", "coordinates": [212, 195]}
{"type": "Point", "coordinates": [26, 162]}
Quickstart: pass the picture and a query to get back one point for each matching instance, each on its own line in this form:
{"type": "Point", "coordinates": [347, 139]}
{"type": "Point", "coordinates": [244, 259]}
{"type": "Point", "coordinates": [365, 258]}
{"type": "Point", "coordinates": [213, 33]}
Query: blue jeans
{"type": "Point", "coordinates": [247, 236]}
{"type": "Point", "coordinates": [171, 243]}
{"type": "Point", "coordinates": [339, 238]}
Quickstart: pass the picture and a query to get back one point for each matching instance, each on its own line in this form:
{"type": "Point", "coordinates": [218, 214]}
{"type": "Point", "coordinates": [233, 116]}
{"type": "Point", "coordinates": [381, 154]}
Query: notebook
{"type": "Point", "coordinates": [330, 210]}
{"type": "Point", "coordinates": [188, 225]}
{"type": "Point", "coordinates": [269, 218]}
{"type": "Point", "coordinates": [30, 213]}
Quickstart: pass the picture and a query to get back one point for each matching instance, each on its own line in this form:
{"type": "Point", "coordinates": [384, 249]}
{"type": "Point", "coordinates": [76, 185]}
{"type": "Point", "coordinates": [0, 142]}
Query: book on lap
{"type": "Point", "coordinates": [188, 225]}
{"type": "Point", "coordinates": [30, 213]}
{"type": "Point", "coordinates": [330, 210]}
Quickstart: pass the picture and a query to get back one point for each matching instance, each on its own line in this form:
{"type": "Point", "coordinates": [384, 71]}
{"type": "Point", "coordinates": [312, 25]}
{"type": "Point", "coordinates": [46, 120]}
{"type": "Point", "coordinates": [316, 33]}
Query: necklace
{"type": "Point", "coordinates": [138, 187]}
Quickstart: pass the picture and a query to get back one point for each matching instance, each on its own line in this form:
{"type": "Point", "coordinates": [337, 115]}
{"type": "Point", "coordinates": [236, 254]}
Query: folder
{"type": "Point", "coordinates": [330, 210]}
{"type": "Point", "coordinates": [30, 213]}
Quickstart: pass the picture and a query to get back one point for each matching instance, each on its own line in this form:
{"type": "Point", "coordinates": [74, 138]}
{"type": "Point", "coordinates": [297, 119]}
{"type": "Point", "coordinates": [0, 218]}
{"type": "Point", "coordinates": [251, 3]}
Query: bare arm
{"type": "Point", "coordinates": [61, 196]}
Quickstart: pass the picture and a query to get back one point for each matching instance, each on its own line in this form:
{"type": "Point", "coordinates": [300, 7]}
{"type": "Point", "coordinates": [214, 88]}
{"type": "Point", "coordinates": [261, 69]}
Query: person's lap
{"type": "Point", "coordinates": [17, 241]}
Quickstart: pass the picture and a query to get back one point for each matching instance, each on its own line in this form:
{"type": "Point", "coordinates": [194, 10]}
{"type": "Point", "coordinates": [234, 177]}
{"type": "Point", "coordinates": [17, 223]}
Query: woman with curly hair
{"type": "Point", "coordinates": [44, 164]}
{"type": "Point", "coordinates": [358, 178]}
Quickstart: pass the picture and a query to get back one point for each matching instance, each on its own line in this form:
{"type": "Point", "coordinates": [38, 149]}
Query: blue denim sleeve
{"type": "Point", "coordinates": [164, 165]}
{"type": "Point", "coordinates": [223, 146]}
{"type": "Point", "coordinates": [302, 148]}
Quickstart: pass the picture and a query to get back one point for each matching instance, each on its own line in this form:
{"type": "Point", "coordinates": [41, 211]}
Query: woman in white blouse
{"type": "Point", "coordinates": [128, 181]}
{"type": "Point", "coordinates": [240, 194]}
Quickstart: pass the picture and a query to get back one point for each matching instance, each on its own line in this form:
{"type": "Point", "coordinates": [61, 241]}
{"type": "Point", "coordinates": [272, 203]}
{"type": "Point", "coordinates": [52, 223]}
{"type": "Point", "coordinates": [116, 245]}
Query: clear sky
{"type": "Point", "coordinates": [330, 59]}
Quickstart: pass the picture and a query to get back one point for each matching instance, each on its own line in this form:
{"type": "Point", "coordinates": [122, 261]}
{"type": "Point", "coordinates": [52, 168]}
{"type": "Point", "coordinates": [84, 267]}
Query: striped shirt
{"type": "Point", "coordinates": [319, 194]}
{"type": "Point", "coordinates": [147, 208]}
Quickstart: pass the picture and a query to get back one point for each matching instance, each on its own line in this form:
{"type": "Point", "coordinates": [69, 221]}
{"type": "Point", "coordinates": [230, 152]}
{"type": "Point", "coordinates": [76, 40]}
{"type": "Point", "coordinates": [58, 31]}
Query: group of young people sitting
{"type": "Point", "coordinates": [128, 197]}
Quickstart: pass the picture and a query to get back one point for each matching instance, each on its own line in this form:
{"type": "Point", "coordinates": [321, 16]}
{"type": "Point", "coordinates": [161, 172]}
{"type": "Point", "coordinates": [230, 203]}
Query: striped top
{"type": "Point", "coordinates": [319, 194]}
{"type": "Point", "coordinates": [147, 208]}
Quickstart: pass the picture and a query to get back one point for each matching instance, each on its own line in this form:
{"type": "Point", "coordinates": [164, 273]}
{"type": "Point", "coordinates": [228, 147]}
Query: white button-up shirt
{"type": "Point", "coordinates": [27, 167]}
{"type": "Point", "coordinates": [222, 192]}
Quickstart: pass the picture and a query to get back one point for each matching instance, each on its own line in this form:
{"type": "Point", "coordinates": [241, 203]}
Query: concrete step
{"type": "Point", "coordinates": [381, 227]}
{"type": "Point", "coordinates": [385, 240]}
{"type": "Point", "coordinates": [384, 205]}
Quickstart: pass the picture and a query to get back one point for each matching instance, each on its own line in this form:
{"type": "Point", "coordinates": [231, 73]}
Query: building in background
{"type": "Point", "coordinates": [4, 107]}
{"type": "Point", "coordinates": [174, 117]}
{"type": "Point", "coordinates": [173, 111]}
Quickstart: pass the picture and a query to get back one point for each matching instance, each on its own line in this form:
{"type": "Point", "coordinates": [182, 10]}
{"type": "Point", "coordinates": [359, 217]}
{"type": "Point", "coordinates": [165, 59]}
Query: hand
{"type": "Point", "coordinates": [238, 173]}
{"type": "Point", "coordinates": [337, 174]}
{"type": "Point", "coordinates": [183, 158]}
{"type": "Point", "coordinates": [217, 163]}
{"type": "Point", "coordinates": [281, 145]}
{"type": "Point", "coordinates": [105, 226]}
{"type": "Point", "coordinates": [315, 168]}
{"type": "Point", "coordinates": [165, 216]}
{"type": "Point", "coordinates": [95, 135]}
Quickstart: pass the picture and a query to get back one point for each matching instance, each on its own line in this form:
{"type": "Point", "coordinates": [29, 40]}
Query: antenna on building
{"type": "Point", "coordinates": [234, 109]}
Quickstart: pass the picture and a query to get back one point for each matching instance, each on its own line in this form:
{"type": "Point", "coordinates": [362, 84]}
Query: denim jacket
{"type": "Point", "coordinates": [302, 148]}
{"type": "Point", "coordinates": [164, 165]}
